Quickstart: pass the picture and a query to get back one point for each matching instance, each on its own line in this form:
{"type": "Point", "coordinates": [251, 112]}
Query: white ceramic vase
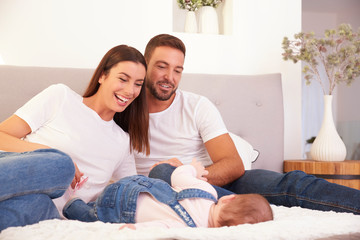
{"type": "Point", "coordinates": [190, 22]}
{"type": "Point", "coordinates": [328, 146]}
{"type": "Point", "coordinates": [208, 20]}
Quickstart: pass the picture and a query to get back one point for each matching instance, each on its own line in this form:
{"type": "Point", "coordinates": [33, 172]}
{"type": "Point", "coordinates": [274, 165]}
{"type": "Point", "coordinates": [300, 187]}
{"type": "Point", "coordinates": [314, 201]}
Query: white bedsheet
{"type": "Point", "coordinates": [289, 223]}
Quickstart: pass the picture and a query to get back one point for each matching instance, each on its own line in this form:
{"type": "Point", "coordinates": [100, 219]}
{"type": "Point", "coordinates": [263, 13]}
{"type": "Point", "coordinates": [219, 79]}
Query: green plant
{"type": "Point", "coordinates": [193, 5]}
{"type": "Point", "coordinates": [310, 140]}
{"type": "Point", "coordinates": [211, 3]}
{"type": "Point", "coordinates": [190, 5]}
{"type": "Point", "coordinates": [338, 53]}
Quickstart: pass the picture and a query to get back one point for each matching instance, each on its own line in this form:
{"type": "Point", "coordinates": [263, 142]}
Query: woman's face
{"type": "Point", "coordinates": [120, 87]}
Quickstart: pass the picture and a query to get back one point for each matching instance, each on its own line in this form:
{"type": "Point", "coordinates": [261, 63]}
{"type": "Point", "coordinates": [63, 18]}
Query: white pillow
{"type": "Point", "coordinates": [247, 153]}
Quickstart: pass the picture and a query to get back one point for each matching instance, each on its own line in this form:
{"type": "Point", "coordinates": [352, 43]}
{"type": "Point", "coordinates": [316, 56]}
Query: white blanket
{"type": "Point", "coordinates": [289, 223]}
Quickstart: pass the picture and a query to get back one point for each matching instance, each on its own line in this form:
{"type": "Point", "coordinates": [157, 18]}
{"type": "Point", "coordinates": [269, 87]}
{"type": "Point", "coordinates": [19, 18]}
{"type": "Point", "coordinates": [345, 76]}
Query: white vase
{"type": "Point", "coordinates": [208, 20]}
{"type": "Point", "coordinates": [190, 22]}
{"type": "Point", "coordinates": [328, 146]}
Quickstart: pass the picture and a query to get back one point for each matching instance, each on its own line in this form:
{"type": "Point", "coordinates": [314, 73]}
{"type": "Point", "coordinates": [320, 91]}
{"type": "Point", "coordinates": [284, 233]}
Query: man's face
{"type": "Point", "coordinates": [164, 72]}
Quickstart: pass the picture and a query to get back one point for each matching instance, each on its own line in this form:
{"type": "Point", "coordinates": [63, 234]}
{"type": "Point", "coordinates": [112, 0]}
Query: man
{"type": "Point", "coordinates": [166, 64]}
{"type": "Point", "coordinates": [184, 125]}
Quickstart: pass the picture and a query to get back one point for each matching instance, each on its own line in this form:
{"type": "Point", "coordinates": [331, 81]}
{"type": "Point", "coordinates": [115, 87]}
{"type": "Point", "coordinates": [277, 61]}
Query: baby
{"type": "Point", "coordinates": [191, 201]}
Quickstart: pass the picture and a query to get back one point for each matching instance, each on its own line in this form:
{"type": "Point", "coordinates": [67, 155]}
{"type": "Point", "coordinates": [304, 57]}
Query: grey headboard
{"type": "Point", "coordinates": [252, 106]}
{"type": "Point", "coordinates": [19, 84]}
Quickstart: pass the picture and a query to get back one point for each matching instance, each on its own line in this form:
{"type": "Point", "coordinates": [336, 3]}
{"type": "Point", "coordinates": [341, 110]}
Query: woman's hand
{"type": "Point", "coordinates": [77, 177]}
{"type": "Point", "coordinates": [200, 170]}
{"type": "Point", "coordinates": [172, 161]}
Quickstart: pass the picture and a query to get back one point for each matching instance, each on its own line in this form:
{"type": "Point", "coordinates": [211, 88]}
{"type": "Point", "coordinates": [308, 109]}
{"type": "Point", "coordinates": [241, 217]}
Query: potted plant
{"type": "Point", "coordinates": [190, 21]}
{"type": "Point", "coordinates": [208, 18]}
{"type": "Point", "coordinates": [190, 5]}
{"type": "Point", "coordinates": [308, 141]}
{"type": "Point", "coordinates": [338, 55]}
{"type": "Point", "coordinates": [211, 3]}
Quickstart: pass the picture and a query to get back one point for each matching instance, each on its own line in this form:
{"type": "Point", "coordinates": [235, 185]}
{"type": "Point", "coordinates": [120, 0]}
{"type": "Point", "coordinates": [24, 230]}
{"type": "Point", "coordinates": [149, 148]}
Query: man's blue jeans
{"type": "Point", "coordinates": [295, 188]}
{"type": "Point", "coordinates": [28, 182]}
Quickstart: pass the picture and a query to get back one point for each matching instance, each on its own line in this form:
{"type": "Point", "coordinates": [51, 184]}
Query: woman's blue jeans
{"type": "Point", "coordinates": [28, 182]}
{"type": "Point", "coordinates": [294, 188]}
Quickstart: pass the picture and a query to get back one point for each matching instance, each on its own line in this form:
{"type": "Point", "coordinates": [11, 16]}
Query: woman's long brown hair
{"type": "Point", "coordinates": [135, 118]}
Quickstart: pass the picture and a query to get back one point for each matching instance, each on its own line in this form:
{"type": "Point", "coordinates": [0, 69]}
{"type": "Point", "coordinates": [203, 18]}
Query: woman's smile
{"type": "Point", "coordinates": [122, 101]}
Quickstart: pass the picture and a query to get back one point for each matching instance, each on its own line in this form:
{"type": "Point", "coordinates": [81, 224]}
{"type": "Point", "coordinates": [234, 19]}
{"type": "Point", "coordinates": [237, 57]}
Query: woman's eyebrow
{"type": "Point", "coordinates": [124, 74]}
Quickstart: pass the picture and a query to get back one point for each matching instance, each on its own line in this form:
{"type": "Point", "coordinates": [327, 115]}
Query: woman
{"type": "Point", "coordinates": [97, 131]}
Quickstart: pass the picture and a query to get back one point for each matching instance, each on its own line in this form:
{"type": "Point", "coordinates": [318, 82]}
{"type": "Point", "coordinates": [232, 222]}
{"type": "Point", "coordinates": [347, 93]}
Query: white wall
{"type": "Point", "coordinates": [76, 33]}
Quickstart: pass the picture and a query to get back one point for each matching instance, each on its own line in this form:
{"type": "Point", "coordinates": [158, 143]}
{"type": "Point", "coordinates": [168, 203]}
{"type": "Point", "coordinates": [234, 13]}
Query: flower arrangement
{"type": "Point", "coordinates": [211, 3]}
{"type": "Point", "coordinates": [338, 53]}
{"type": "Point", "coordinates": [193, 5]}
{"type": "Point", "coordinates": [190, 5]}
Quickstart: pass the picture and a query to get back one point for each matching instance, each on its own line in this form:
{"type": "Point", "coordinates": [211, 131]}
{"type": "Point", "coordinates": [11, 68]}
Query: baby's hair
{"type": "Point", "coordinates": [245, 208]}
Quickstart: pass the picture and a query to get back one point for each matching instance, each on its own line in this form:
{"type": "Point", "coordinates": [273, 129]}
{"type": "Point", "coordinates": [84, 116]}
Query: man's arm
{"type": "Point", "coordinates": [227, 164]}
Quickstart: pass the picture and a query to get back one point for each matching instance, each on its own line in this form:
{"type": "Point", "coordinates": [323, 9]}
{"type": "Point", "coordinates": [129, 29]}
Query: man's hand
{"type": "Point", "coordinates": [172, 161]}
{"type": "Point", "coordinates": [200, 170]}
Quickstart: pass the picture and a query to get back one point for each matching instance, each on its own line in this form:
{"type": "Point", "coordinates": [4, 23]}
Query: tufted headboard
{"type": "Point", "coordinates": [251, 106]}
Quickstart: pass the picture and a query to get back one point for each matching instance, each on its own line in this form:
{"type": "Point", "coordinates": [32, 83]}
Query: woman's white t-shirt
{"type": "Point", "coordinates": [59, 119]}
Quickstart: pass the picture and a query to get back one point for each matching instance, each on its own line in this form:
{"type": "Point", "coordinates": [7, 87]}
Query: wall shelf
{"type": "Point", "coordinates": [179, 16]}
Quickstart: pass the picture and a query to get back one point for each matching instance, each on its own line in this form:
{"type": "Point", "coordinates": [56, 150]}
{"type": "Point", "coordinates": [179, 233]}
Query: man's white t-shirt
{"type": "Point", "coordinates": [181, 130]}
{"type": "Point", "coordinates": [59, 119]}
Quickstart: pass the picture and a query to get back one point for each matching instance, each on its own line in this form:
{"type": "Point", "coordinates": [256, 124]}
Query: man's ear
{"type": "Point", "coordinates": [228, 198]}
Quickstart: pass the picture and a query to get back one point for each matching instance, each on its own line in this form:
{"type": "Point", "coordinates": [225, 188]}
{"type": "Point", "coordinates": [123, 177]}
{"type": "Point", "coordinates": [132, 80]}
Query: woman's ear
{"type": "Point", "coordinates": [102, 78]}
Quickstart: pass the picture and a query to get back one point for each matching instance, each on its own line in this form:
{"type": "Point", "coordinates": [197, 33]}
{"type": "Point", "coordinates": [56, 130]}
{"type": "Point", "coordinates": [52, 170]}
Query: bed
{"type": "Point", "coordinates": [252, 108]}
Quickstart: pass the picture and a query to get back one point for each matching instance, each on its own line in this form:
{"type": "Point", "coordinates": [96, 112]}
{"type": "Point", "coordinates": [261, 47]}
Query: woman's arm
{"type": "Point", "coordinates": [11, 131]}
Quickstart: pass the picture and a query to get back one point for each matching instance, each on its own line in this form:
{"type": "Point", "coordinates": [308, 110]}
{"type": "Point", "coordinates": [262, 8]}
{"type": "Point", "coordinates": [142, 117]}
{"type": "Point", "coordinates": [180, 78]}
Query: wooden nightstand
{"type": "Point", "coordinates": [346, 173]}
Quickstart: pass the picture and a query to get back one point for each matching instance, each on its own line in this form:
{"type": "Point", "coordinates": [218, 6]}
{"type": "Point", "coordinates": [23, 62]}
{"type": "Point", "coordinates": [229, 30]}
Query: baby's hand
{"type": "Point", "coordinates": [128, 225]}
{"type": "Point", "coordinates": [77, 177]}
{"type": "Point", "coordinates": [200, 170]}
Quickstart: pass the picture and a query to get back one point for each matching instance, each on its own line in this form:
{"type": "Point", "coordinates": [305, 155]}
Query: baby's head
{"type": "Point", "coordinates": [238, 209]}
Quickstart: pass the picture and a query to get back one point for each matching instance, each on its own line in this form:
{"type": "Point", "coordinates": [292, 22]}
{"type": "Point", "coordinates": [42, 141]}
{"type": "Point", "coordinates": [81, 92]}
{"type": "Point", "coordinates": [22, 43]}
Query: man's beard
{"type": "Point", "coordinates": [159, 95]}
